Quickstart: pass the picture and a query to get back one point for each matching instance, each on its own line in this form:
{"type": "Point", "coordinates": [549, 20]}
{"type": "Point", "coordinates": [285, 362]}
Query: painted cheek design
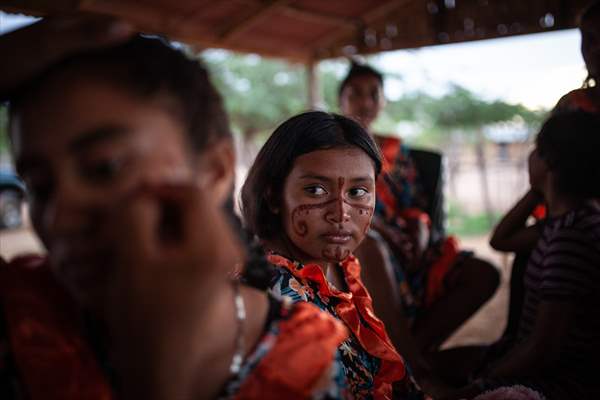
{"type": "Point", "coordinates": [365, 212]}
{"type": "Point", "coordinates": [302, 212]}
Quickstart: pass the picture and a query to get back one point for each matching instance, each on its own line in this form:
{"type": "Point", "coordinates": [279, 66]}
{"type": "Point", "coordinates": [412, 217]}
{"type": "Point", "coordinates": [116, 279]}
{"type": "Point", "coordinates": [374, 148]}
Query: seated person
{"type": "Point", "coordinates": [128, 159]}
{"type": "Point", "coordinates": [558, 338]}
{"type": "Point", "coordinates": [309, 197]}
{"type": "Point", "coordinates": [587, 99]}
{"type": "Point", "coordinates": [440, 286]}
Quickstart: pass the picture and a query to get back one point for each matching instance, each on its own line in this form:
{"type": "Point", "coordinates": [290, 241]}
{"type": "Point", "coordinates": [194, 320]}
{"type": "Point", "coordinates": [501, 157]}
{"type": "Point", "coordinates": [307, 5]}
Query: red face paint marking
{"type": "Point", "coordinates": [337, 254]}
{"type": "Point", "coordinates": [300, 226]}
{"type": "Point", "coordinates": [300, 213]}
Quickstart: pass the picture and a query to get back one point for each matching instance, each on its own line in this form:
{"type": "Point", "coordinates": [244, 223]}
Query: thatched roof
{"type": "Point", "coordinates": [304, 30]}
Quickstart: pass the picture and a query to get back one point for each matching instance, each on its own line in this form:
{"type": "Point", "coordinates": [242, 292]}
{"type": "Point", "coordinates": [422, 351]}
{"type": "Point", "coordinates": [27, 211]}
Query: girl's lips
{"type": "Point", "coordinates": [337, 238]}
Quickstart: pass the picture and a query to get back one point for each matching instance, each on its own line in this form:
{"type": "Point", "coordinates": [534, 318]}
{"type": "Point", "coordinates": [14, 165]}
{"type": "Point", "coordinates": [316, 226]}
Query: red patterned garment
{"type": "Point", "coordinates": [45, 353]}
{"type": "Point", "coordinates": [370, 360]}
{"type": "Point", "coordinates": [399, 204]}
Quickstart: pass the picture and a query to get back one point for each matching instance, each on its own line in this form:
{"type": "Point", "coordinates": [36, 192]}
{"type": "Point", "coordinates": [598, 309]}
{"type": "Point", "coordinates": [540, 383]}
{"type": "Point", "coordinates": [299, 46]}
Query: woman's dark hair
{"type": "Point", "coordinates": [149, 67]}
{"type": "Point", "coordinates": [569, 142]}
{"type": "Point", "coordinates": [357, 69]}
{"type": "Point", "coordinates": [302, 134]}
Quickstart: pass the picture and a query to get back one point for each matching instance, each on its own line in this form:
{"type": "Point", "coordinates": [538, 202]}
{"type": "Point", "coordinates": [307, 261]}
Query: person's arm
{"type": "Point", "coordinates": [378, 277]}
{"type": "Point", "coordinates": [511, 234]}
{"type": "Point", "coordinates": [542, 349]}
{"type": "Point", "coordinates": [30, 50]}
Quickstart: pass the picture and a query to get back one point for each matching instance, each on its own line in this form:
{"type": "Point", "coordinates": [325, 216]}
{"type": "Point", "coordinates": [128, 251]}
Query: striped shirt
{"type": "Point", "coordinates": [565, 266]}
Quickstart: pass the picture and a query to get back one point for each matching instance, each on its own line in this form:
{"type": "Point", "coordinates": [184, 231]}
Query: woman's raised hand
{"type": "Point", "coordinates": [170, 289]}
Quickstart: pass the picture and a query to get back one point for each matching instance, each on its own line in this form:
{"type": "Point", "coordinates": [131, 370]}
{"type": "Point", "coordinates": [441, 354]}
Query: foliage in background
{"type": "Point", "coordinates": [260, 93]}
{"type": "Point", "coordinates": [463, 224]}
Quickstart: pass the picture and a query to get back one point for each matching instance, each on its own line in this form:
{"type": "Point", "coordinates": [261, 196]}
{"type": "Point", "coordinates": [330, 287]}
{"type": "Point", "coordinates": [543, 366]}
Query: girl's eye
{"type": "Point", "coordinates": [357, 192]}
{"type": "Point", "coordinates": [316, 190]}
{"type": "Point", "coordinates": [102, 171]}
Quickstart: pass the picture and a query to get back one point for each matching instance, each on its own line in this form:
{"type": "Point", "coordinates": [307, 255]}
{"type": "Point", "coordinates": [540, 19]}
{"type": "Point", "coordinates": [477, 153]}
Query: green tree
{"type": "Point", "coordinates": [259, 93]}
{"type": "Point", "coordinates": [461, 113]}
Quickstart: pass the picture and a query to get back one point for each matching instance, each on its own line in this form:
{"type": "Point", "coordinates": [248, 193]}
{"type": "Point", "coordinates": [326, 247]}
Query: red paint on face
{"type": "Point", "coordinates": [338, 254]}
{"type": "Point", "coordinates": [328, 201]}
{"type": "Point", "coordinates": [302, 212]}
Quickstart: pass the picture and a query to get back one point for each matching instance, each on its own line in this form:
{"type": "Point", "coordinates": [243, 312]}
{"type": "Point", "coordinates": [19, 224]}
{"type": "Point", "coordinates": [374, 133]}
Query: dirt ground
{"type": "Point", "coordinates": [488, 323]}
{"type": "Point", "coordinates": [484, 327]}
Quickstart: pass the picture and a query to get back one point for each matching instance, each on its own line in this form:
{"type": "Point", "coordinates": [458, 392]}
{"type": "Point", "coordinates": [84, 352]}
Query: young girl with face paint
{"type": "Point", "coordinates": [310, 197]}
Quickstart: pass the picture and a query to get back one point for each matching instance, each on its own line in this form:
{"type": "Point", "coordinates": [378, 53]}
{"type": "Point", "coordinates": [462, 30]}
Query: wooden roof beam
{"type": "Point", "coordinates": [328, 40]}
{"type": "Point", "coordinates": [300, 13]}
{"type": "Point", "coordinates": [238, 28]}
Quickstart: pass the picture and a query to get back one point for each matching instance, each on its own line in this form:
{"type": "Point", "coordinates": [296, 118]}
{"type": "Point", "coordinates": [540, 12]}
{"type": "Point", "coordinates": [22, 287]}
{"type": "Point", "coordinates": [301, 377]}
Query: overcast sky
{"type": "Point", "coordinates": [534, 70]}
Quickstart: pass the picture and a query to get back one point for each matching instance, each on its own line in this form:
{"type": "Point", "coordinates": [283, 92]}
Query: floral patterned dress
{"type": "Point", "coordinates": [400, 202]}
{"type": "Point", "coordinates": [370, 362]}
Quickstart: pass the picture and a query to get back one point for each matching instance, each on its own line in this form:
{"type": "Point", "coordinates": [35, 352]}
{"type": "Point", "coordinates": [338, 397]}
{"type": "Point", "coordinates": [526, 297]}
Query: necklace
{"type": "Point", "coordinates": [240, 316]}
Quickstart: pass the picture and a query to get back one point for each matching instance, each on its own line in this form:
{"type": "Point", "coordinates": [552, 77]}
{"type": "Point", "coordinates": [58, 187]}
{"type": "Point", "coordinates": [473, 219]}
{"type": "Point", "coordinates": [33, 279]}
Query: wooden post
{"type": "Point", "coordinates": [312, 81]}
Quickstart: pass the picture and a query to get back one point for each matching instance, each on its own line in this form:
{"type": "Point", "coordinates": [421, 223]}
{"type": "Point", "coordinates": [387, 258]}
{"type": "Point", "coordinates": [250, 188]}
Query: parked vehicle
{"type": "Point", "coordinates": [12, 196]}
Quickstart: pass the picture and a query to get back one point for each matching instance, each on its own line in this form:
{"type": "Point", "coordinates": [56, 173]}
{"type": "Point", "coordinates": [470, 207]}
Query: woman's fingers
{"type": "Point", "coordinates": [138, 218]}
{"type": "Point", "coordinates": [176, 225]}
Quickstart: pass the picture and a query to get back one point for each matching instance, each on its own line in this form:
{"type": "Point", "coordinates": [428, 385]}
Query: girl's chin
{"type": "Point", "coordinates": [335, 253]}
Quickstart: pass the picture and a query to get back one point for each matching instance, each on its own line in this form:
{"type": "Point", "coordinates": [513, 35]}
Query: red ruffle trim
{"type": "Point", "coordinates": [300, 359]}
{"type": "Point", "coordinates": [350, 309]}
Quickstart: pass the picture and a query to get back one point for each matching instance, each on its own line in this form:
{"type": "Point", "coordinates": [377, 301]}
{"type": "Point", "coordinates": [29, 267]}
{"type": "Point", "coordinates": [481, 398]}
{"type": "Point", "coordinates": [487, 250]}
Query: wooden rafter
{"type": "Point", "coordinates": [304, 14]}
{"type": "Point", "coordinates": [238, 28]}
{"type": "Point", "coordinates": [373, 15]}
{"type": "Point", "coordinates": [293, 29]}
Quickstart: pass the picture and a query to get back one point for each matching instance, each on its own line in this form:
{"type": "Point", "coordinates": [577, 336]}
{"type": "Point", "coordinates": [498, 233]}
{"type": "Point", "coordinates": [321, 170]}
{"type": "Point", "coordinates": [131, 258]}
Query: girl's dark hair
{"type": "Point", "coordinates": [149, 67]}
{"type": "Point", "coordinates": [569, 142]}
{"type": "Point", "coordinates": [357, 69]}
{"type": "Point", "coordinates": [302, 134]}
